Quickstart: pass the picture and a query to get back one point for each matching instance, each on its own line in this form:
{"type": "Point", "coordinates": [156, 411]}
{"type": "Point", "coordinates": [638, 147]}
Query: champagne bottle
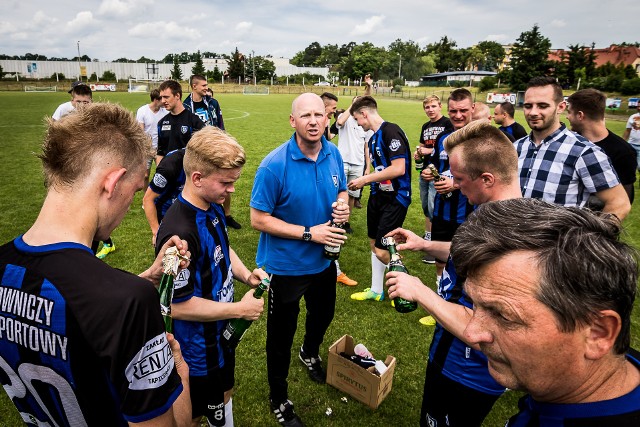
{"type": "Point", "coordinates": [401, 304]}
{"type": "Point", "coordinates": [236, 328]}
{"type": "Point", "coordinates": [419, 165]}
{"type": "Point", "coordinates": [330, 251]}
{"type": "Point", "coordinates": [170, 264]}
{"type": "Point", "coordinates": [437, 177]}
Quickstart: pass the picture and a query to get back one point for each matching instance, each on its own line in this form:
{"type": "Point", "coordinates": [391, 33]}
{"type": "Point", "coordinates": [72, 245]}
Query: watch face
{"type": "Point", "coordinates": [306, 236]}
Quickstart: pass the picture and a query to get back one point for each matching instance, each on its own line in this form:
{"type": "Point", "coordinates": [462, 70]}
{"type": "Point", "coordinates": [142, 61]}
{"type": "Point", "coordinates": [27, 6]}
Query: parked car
{"type": "Point", "coordinates": [322, 84]}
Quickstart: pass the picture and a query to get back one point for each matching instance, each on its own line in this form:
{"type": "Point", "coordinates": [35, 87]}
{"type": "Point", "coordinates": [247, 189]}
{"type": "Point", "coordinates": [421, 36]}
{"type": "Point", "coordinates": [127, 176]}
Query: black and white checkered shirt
{"type": "Point", "coordinates": [564, 169]}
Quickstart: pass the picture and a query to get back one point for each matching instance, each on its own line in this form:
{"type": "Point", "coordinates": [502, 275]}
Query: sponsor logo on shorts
{"type": "Point", "coordinates": [182, 278]}
{"type": "Point", "coordinates": [159, 180]}
{"type": "Point", "coordinates": [184, 129]}
{"type": "Point", "coordinates": [151, 366]}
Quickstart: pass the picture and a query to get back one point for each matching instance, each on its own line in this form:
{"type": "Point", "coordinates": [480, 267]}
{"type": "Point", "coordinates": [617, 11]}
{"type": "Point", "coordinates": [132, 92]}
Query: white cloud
{"type": "Point", "coordinates": [244, 26]}
{"type": "Point", "coordinates": [41, 18]}
{"type": "Point", "coordinates": [7, 27]}
{"type": "Point", "coordinates": [558, 23]}
{"type": "Point", "coordinates": [122, 8]}
{"type": "Point", "coordinates": [369, 26]}
{"type": "Point", "coordinates": [80, 22]}
{"type": "Point", "coordinates": [497, 37]}
{"type": "Point", "coordinates": [164, 30]}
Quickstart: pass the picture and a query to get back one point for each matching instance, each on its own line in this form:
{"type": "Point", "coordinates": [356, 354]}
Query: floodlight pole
{"type": "Point", "coordinates": [79, 66]}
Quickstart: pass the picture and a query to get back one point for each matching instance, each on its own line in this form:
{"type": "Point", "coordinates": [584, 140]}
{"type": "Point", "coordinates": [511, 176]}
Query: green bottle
{"type": "Point", "coordinates": [401, 304]}
{"type": "Point", "coordinates": [330, 251]}
{"type": "Point", "coordinates": [437, 177]}
{"type": "Point", "coordinates": [170, 264]}
{"type": "Point", "coordinates": [419, 163]}
{"type": "Point", "coordinates": [236, 328]}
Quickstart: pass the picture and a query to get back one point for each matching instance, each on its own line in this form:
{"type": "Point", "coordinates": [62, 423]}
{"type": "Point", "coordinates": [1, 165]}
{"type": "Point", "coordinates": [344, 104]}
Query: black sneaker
{"type": "Point", "coordinates": [347, 228]}
{"type": "Point", "coordinates": [285, 414]}
{"type": "Point", "coordinates": [233, 223]}
{"type": "Point", "coordinates": [316, 373]}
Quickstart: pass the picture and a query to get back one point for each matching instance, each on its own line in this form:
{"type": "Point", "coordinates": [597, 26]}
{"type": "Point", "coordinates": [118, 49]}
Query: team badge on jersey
{"type": "Point", "coordinates": [184, 129]}
{"type": "Point", "coordinates": [335, 180]}
{"type": "Point", "coordinates": [182, 278]}
{"type": "Point", "coordinates": [159, 180]}
{"type": "Point", "coordinates": [218, 254]}
{"type": "Point", "coordinates": [395, 144]}
{"type": "Point", "coordinates": [151, 366]}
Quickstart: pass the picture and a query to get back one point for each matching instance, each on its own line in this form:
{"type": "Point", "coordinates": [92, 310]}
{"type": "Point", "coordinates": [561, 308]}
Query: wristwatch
{"type": "Point", "coordinates": [306, 236]}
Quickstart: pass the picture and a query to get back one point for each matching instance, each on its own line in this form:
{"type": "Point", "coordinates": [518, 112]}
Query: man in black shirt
{"type": "Point", "coordinates": [175, 129]}
{"type": "Point", "coordinates": [586, 116]}
{"type": "Point", "coordinates": [503, 115]}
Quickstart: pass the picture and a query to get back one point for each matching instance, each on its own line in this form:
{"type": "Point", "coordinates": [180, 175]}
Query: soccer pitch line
{"type": "Point", "coordinates": [245, 114]}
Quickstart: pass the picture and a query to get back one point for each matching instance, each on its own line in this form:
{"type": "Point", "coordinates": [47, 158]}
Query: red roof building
{"type": "Point", "coordinates": [627, 55]}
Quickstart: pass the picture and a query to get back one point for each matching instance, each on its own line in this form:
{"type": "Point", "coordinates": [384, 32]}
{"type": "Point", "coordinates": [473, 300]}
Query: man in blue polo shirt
{"type": "Point", "coordinates": [292, 203]}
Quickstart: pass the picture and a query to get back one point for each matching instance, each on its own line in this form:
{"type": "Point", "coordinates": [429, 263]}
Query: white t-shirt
{"type": "Point", "coordinates": [634, 124]}
{"type": "Point", "coordinates": [63, 110]}
{"type": "Point", "coordinates": [150, 121]}
{"type": "Point", "coordinates": [351, 140]}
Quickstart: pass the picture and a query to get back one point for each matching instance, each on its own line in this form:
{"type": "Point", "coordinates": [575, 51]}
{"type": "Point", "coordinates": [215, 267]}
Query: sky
{"type": "Point", "coordinates": [111, 29]}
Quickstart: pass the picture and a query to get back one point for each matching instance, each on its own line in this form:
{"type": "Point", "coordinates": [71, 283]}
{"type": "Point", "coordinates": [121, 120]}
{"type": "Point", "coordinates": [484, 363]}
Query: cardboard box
{"type": "Point", "coordinates": [362, 384]}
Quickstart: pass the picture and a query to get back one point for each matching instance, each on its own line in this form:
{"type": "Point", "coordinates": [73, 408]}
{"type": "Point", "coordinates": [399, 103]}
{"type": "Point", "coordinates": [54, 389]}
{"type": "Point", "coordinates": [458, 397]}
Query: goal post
{"type": "Point", "coordinates": [41, 88]}
{"type": "Point", "coordinates": [143, 85]}
{"type": "Point", "coordinates": [255, 90]}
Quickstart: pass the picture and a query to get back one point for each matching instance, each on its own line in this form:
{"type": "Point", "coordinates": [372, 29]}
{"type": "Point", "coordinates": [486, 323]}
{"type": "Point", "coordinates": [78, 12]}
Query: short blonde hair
{"type": "Point", "coordinates": [211, 149]}
{"type": "Point", "coordinates": [430, 98]}
{"type": "Point", "coordinates": [73, 145]}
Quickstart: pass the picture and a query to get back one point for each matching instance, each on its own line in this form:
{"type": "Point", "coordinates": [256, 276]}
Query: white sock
{"type": "Point", "coordinates": [377, 274]}
{"type": "Point", "coordinates": [338, 271]}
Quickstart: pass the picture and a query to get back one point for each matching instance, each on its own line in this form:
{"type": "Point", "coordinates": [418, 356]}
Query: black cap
{"type": "Point", "coordinates": [74, 84]}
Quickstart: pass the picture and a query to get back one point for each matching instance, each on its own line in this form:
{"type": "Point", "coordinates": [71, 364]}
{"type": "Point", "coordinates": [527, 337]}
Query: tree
{"type": "Point", "coordinates": [529, 58]}
{"type": "Point", "coordinates": [364, 59]}
{"type": "Point", "coordinates": [176, 73]}
{"type": "Point", "coordinates": [493, 55]}
{"type": "Point", "coordinates": [198, 67]}
{"type": "Point", "coordinates": [447, 57]}
{"type": "Point", "coordinates": [265, 68]}
{"type": "Point", "coordinates": [411, 55]}
{"type": "Point", "coordinates": [109, 76]}
{"type": "Point", "coordinates": [235, 67]}
{"type": "Point", "coordinates": [214, 75]}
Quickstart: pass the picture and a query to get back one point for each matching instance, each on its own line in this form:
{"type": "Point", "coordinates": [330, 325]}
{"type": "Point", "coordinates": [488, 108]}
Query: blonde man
{"type": "Point", "coordinates": [203, 298]}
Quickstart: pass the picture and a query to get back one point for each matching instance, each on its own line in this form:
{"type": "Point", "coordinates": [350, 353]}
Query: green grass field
{"type": "Point", "coordinates": [260, 123]}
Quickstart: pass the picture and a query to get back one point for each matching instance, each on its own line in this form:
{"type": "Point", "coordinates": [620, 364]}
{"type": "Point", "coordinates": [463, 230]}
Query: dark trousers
{"type": "Point", "coordinates": [448, 403]}
{"type": "Point", "coordinates": [285, 293]}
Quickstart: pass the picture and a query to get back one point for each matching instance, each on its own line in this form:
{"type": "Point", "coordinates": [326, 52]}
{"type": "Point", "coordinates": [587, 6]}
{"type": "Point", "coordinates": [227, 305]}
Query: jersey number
{"type": "Point", "coordinates": [21, 382]}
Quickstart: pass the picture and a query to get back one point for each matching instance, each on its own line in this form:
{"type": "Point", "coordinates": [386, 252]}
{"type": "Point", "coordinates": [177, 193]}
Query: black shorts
{"type": "Point", "coordinates": [448, 403]}
{"type": "Point", "coordinates": [207, 393]}
{"type": "Point", "coordinates": [443, 231]}
{"type": "Point", "coordinates": [384, 214]}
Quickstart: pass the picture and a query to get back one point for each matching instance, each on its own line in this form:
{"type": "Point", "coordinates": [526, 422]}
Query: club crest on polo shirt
{"type": "Point", "coordinates": [395, 144]}
{"type": "Point", "coordinates": [184, 129]}
{"type": "Point", "coordinates": [151, 366]}
{"type": "Point", "coordinates": [335, 180]}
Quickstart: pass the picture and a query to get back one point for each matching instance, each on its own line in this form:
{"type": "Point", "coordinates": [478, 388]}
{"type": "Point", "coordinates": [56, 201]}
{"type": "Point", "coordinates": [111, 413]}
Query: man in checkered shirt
{"type": "Point", "coordinates": [559, 166]}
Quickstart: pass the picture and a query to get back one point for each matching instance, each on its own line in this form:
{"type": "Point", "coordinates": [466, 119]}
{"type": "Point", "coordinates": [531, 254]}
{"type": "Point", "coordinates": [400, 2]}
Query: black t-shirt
{"type": "Point", "coordinates": [168, 181]}
{"type": "Point", "coordinates": [622, 156]}
{"type": "Point", "coordinates": [515, 129]}
{"type": "Point", "coordinates": [431, 130]}
{"type": "Point", "coordinates": [175, 130]}
{"type": "Point", "coordinates": [86, 339]}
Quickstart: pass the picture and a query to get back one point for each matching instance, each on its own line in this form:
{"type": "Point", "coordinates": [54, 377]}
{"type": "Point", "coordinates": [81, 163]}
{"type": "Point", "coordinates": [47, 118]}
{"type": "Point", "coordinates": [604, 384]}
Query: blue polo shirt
{"type": "Point", "coordinates": [300, 191]}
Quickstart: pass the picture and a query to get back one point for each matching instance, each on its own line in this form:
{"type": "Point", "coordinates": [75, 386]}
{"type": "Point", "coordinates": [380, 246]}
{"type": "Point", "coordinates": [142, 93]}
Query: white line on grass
{"type": "Point", "coordinates": [245, 114]}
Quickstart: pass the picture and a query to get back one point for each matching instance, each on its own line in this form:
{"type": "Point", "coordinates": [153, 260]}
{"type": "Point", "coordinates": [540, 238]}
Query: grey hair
{"type": "Point", "coordinates": [584, 267]}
